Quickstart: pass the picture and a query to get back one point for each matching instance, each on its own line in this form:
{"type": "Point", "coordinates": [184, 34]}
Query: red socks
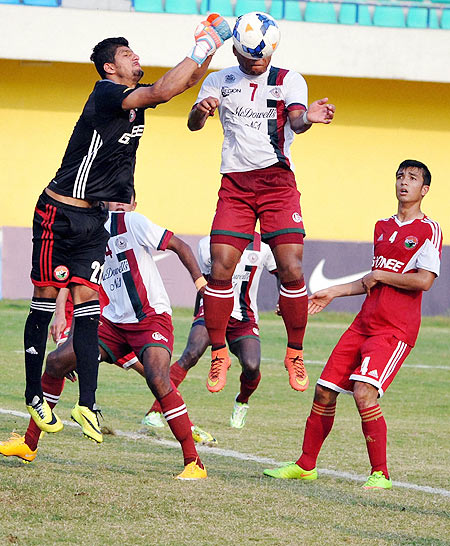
{"type": "Point", "coordinates": [175, 413]}
{"type": "Point", "coordinates": [218, 302]}
{"type": "Point", "coordinates": [318, 426]}
{"type": "Point", "coordinates": [375, 432]}
{"type": "Point", "coordinates": [248, 387]}
{"type": "Point", "coordinates": [293, 304]}
{"type": "Point", "coordinates": [177, 375]}
{"type": "Point", "coordinates": [52, 388]}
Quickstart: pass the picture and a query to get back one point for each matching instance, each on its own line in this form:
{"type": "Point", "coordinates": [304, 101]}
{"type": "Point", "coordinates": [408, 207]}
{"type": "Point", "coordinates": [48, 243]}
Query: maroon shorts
{"type": "Point", "coordinates": [369, 359]}
{"type": "Point", "coordinates": [126, 361]}
{"type": "Point", "coordinates": [236, 329]}
{"type": "Point", "coordinates": [118, 340]}
{"type": "Point", "coordinates": [269, 195]}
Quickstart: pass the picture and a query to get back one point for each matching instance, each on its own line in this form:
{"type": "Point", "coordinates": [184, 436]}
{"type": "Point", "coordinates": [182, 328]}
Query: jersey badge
{"type": "Point", "coordinates": [132, 116]}
{"type": "Point", "coordinates": [230, 78]}
{"type": "Point", "coordinates": [411, 242]}
{"type": "Point", "coordinates": [253, 258]}
{"type": "Point", "coordinates": [121, 243]}
{"type": "Point", "coordinates": [276, 92]}
{"type": "Point", "coordinates": [296, 217]}
{"type": "Point", "coordinates": [380, 238]}
{"type": "Point", "coordinates": [61, 272]}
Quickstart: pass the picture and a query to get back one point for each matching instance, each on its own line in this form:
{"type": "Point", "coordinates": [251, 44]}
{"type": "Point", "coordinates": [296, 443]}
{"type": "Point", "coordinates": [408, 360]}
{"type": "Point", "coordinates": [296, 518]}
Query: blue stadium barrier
{"type": "Point", "coordinates": [288, 9]}
{"type": "Point", "coordinates": [9, 1]}
{"type": "Point", "coordinates": [318, 12]}
{"type": "Point", "coordinates": [245, 6]}
{"type": "Point", "coordinates": [49, 3]}
{"type": "Point", "coordinates": [152, 6]}
{"type": "Point", "coordinates": [181, 6]}
{"type": "Point", "coordinates": [389, 16]}
{"type": "Point", "coordinates": [419, 17]}
{"type": "Point", "coordinates": [445, 19]}
{"type": "Point", "coordinates": [224, 7]}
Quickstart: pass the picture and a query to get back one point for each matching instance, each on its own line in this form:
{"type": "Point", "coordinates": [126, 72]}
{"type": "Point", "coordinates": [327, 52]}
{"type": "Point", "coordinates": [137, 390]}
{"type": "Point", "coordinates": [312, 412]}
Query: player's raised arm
{"type": "Point", "coordinates": [320, 111]}
{"type": "Point", "coordinates": [201, 112]}
{"type": "Point", "coordinates": [187, 258]}
{"type": "Point", "coordinates": [209, 36]}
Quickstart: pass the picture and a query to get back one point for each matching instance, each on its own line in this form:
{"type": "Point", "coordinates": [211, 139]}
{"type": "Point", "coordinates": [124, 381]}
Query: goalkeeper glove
{"type": "Point", "coordinates": [209, 35]}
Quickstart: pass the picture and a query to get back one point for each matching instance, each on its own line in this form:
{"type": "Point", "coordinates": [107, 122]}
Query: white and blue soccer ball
{"type": "Point", "coordinates": [256, 35]}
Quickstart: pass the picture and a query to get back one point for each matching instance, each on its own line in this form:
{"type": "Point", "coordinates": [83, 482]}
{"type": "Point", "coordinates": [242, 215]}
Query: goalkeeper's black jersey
{"type": "Point", "coordinates": [99, 161]}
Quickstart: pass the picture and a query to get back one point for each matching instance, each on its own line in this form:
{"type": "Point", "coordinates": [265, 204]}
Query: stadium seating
{"type": "Point", "coordinates": [50, 3]}
{"type": "Point", "coordinates": [181, 6]}
{"type": "Point", "coordinates": [224, 7]}
{"type": "Point", "coordinates": [318, 12]}
{"type": "Point", "coordinates": [389, 16]}
{"type": "Point", "coordinates": [445, 19]}
{"type": "Point", "coordinates": [422, 18]}
{"type": "Point", "coordinates": [245, 6]}
{"type": "Point", "coordinates": [9, 1]}
{"type": "Point", "coordinates": [152, 6]}
{"type": "Point", "coordinates": [292, 10]}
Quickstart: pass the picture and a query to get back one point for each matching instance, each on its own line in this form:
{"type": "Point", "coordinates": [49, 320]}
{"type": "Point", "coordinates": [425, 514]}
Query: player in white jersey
{"type": "Point", "coordinates": [242, 330]}
{"type": "Point", "coordinates": [260, 108]}
{"type": "Point", "coordinates": [137, 318]}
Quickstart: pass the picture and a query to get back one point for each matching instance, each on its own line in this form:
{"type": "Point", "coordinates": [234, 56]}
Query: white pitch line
{"type": "Point", "coordinates": [230, 453]}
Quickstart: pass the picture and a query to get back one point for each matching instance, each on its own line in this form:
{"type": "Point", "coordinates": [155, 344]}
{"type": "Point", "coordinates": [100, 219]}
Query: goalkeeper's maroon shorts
{"type": "Point", "coordinates": [269, 195]}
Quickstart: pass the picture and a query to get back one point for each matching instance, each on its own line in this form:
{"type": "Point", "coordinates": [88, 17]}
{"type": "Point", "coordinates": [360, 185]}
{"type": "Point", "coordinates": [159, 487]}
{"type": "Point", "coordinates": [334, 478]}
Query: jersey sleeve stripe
{"type": "Point", "coordinates": [296, 106]}
{"type": "Point", "coordinates": [165, 239]}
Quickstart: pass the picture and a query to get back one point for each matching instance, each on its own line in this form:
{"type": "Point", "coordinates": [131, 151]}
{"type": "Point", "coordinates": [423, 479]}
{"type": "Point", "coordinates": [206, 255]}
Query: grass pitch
{"type": "Point", "coordinates": [122, 492]}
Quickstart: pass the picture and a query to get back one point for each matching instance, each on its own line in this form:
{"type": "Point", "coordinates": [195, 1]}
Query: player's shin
{"type": "Point", "coordinates": [375, 432]}
{"type": "Point", "coordinates": [85, 344]}
{"type": "Point", "coordinates": [175, 413]}
{"type": "Point", "coordinates": [35, 340]}
{"type": "Point", "coordinates": [177, 375]}
{"type": "Point", "coordinates": [248, 387]}
{"type": "Point", "coordinates": [294, 310]}
{"type": "Point", "coordinates": [318, 426]}
{"type": "Point", "coordinates": [218, 302]}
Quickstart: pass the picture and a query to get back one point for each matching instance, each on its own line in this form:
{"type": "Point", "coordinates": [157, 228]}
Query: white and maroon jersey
{"type": "Point", "coordinates": [246, 277]}
{"type": "Point", "coordinates": [399, 248]}
{"type": "Point", "coordinates": [130, 277]}
{"type": "Point", "coordinates": [253, 111]}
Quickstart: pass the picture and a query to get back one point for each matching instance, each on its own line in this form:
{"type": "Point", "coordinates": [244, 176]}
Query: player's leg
{"type": "Point", "coordinates": [282, 228]}
{"type": "Point", "coordinates": [245, 345]}
{"type": "Point", "coordinates": [231, 231]}
{"type": "Point", "coordinates": [156, 362]}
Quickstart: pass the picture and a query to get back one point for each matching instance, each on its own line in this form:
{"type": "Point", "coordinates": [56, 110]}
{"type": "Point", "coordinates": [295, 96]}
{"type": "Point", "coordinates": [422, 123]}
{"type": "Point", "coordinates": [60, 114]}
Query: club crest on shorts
{"type": "Point", "coordinates": [132, 116]}
{"type": "Point", "coordinates": [296, 217]}
{"type": "Point", "coordinates": [255, 331]}
{"type": "Point", "coordinates": [411, 242]}
{"type": "Point", "coordinates": [158, 337]}
{"type": "Point", "coordinates": [121, 243]}
{"type": "Point", "coordinates": [61, 273]}
{"type": "Point", "coordinates": [253, 257]}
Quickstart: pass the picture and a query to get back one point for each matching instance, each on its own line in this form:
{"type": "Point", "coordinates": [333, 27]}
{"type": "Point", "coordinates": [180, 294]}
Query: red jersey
{"type": "Point", "coordinates": [400, 248]}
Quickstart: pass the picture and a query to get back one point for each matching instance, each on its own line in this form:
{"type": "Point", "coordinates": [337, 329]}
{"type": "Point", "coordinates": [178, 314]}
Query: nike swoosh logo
{"type": "Point", "coordinates": [92, 424]}
{"type": "Point", "coordinates": [318, 281]}
{"type": "Point", "coordinates": [212, 383]}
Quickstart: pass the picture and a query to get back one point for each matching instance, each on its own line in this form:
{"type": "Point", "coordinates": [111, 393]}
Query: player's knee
{"type": "Point", "coordinates": [290, 270]}
{"type": "Point", "coordinates": [325, 396]}
{"type": "Point", "coordinates": [190, 358]}
{"type": "Point", "coordinates": [53, 366]}
{"type": "Point", "coordinates": [250, 368]}
{"type": "Point", "coordinates": [365, 395]}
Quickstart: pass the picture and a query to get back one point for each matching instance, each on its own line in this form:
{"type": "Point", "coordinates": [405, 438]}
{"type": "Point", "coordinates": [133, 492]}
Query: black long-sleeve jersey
{"type": "Point", "coordinates": [100, 158]}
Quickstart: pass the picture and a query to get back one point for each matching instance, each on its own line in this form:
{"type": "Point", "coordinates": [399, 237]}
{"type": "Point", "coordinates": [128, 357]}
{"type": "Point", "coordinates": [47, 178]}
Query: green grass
{"type": "Point", "coordinates": [122, 492]}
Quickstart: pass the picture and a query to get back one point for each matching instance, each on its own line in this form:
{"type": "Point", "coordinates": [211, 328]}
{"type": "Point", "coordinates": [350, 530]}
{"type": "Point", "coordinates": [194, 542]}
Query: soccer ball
{"type": "Point", "coordinates": [256, 35]}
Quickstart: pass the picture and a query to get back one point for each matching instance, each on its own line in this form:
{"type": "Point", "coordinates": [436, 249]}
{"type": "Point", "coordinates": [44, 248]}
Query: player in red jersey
{"type": "Point", "coordinates": [407, 252]}
{"type": "Point", "coordinates": [260, 108]}
{"type": "Point", "coordinates": [69, 237]}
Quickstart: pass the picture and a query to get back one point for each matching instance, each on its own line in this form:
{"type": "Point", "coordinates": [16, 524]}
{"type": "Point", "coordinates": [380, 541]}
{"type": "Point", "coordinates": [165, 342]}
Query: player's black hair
{"type": "Point", "coordinates": [105, 51]}
{"type": "Point", "coordinates": [418, 165]}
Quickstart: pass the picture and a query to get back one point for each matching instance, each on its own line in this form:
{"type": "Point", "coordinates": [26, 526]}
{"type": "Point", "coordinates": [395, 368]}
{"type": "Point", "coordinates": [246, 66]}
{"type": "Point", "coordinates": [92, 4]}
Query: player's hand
{"type": "Point", "coordinates": [319, 300]}
{"type": "Point", "coordinates": [320, 111]}
{"type": "Point", "coordinates": [369, 281]}
{"type": "Point", "coordinates": [209, 36]}
{"type": "Point", "coordinates": [72, 376]}
{"type": "Point", "coordinates": [208, 106]}
{"type": "Point", "coordinates": [277, 310]}
{"type": "Point", "coordinates": [57, 327]}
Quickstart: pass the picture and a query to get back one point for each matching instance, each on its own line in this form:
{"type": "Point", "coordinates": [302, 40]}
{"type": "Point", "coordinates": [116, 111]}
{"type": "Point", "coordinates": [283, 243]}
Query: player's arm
{"type": "Point", "coordinates": [320, 111]}
{"type": "Point", "coordinates": [201, 112]}
{"type": "Point", "coordinates": [319, 300]}
{"type": "Point", "coordinates": [187, 258]}
{"type": "Point", "coordinates": [59, 321]}
{"type": "Point", "coordinates": [209, 36]}
{"type": "Point", "coordinates": [420, 280]}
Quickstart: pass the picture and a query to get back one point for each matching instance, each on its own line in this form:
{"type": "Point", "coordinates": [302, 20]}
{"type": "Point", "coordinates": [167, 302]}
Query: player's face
{"type": "Point", "coordinates": [126, 64]}
{"type": "Point", "coordinates": [122, 207]}
{"type": "Point", "coordinates": [252, 67]}
{"type": "Point", "coordinates": [409, 186]}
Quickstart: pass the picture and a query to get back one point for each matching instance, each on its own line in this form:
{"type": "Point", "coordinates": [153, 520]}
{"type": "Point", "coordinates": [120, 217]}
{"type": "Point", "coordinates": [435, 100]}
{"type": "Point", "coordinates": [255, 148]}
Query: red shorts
{"type": "Point", "coordinates": [126, 361]}
{"type": "Point", "coordinates": [369, 359]}
{"type": "Point", "coordinates": [268, 194]}
{"type": "Point", "coordinates": [236, 329]}
{"type": "Point", "coordinates": [120, 339]}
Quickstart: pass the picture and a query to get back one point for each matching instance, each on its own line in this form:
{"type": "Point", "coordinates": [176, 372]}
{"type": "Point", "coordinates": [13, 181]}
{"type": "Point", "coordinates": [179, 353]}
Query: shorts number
{"type": "Point", "coordinates": [96, 275]}
{"type": "Point", "coordinates": [255, 86]}
{"type": "Point", "coordinates": [365, 365]}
